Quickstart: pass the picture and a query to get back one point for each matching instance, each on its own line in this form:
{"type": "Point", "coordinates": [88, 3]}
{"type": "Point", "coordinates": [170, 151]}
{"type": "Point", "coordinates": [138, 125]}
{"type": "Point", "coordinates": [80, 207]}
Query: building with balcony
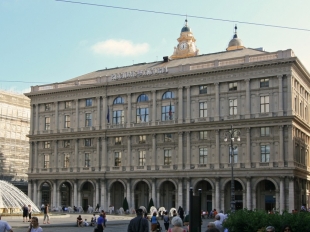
{"type": "Point", "coordinates": [153, 130]}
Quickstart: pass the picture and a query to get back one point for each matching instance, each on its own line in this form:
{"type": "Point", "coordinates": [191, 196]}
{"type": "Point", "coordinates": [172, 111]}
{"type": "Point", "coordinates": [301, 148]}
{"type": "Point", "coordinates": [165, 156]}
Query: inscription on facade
{"type": "Point", "coordinates": [139, 73]}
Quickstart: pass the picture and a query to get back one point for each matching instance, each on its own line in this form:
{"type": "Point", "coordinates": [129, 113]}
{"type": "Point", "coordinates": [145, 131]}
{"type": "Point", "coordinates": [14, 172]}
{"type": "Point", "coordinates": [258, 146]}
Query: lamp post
{"type": "Point", "coordinates": [232, 134]}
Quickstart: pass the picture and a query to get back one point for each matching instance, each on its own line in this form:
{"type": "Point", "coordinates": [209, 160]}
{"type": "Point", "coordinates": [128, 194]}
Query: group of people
{"type": "Point", "coordinates": [27, 210]}
{"type": "Point", "coordinates": [99, 223]}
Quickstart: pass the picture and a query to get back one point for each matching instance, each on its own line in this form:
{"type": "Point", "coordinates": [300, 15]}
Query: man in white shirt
{"type": "Point", "coordinates": [218, 223]}
{"type": "Point", "coordinates": [4, 226]}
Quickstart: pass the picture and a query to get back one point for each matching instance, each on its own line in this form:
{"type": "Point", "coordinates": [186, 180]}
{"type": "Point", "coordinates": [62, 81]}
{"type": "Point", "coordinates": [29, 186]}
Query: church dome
{"type": "Point", "coordinates": [235, 43]}
{"type": "Point", "coordinates": [186, 28]}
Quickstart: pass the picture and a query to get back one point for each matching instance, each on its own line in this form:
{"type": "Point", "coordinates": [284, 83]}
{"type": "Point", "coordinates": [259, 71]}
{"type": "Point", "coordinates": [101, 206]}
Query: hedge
{"type": "Point", "coordinates": [257, 220]}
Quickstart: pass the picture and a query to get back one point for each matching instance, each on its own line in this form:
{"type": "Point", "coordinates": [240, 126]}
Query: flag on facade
{"type": "Point", "coordinates": [170, 111]}
{"type": "Point", "coordinates": [108, 115]}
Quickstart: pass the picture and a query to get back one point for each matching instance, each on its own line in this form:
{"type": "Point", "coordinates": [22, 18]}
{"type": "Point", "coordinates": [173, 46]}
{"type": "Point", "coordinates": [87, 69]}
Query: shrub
{"type": "Point", "coordinates": [257, 220]}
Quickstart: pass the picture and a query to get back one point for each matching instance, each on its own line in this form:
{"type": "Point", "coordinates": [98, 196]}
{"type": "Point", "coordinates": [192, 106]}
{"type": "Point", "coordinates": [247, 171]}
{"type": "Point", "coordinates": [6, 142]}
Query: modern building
{"type": "Point", "coordinates": [14, 143]}
{"type": "Point", "coordinates": [153, 130]}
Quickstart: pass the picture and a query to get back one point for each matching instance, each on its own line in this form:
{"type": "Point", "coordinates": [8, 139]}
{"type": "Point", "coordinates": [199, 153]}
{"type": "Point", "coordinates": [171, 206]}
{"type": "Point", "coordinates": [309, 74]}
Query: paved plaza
{"type": "Point", "coordinates": [67, 223]}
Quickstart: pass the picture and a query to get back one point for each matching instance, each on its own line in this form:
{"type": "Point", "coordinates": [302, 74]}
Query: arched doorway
{"type": "Point", "coordinates": [46, 193]}
{"type": "Point", "coordinates": [141, 195]}
{"type": "Point", "coordinates": [266, 195]}
{"type": "Point", "coordinates": [167, 195]}
{"type": "Point", "coordinates": [65, 194]}
{"type": "Point", "coordinates": [206, 195]}
{"type": "Point", "coordinates": [238, 196]}
{"type": "Point", "coordinates": [117, 194]}
{"type": "Point", "coordinates": [87, 195]}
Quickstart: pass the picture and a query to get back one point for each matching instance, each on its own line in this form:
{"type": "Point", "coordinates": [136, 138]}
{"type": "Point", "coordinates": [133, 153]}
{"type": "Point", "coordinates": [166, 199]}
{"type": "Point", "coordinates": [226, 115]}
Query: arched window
{"type": "Point", "coordinates": [168, 95]}
{"type": "Point", "coordinates": [143, 98]}
{"type": "Point", "coordinates": [118, 100]}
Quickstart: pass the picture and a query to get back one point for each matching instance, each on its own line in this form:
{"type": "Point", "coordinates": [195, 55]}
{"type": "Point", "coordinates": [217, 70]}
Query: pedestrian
{"type": "Point", "coordinates": [270, 229]}
{"type": "Point", "coordinates": [154, 222]}
{"type": "Point", "coordinates": [79, 221]}
{"type": "Point", "coordinates": [287, 228]}
{"type": "Point", "coordinates": [218, 223]}
{"type": "Point", "coordinates": [177, 225]}
{"type": "Point", "coordinates": [4, 226]}
{"type": "Point", "coordinates": [29, 212]}
{"type": "Point", "coordinates": [46, 215]}
{"type": "Point", "coordinates": [97, 207]}
{"type": "Point", "coordinates": [181, 213]}
{"type": "Point", "coordinates": [25, 213]}
{"type": "Point", "coordinates": [166, 221]}
{"type": "Point", "coordinates": [34, 225]}
{"type": "Point", "coordinates": [104, 215]}
{"type": "Point", "coordinates": [100, 223]}
{"type": "Point", "coordinates": [139, 223]}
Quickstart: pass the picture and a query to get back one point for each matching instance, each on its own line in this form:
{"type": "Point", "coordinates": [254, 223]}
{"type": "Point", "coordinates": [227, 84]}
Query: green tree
{"type": "Point", "coordinates": [151, 203]}
{"type": "Point", "coordinates": [125, 204]}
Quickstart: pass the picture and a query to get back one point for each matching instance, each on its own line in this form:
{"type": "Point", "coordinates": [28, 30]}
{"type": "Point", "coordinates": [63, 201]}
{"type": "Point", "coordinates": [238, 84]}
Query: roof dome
{"type": "Point", "coordinates": [186, 28]}
{"type": "Point", "coordinates": [235, 43]}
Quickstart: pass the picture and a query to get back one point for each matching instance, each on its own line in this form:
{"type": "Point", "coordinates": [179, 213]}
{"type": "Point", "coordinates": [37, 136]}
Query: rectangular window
{"type": "Point", "coordinates": [46, 161]}
{"type": "Point", "coordinates": [168, 137]}
{"type": "Point", "coordinates": [264, 131]}
{"type": "Point", "coordinates": [232, 86]}
{"type": "Point", "coordinates": [264, 82]}
{"type": "Point", "coordinates": [66, 160]}
{"type": "Point", "coordinates": [88, 120]}
{"type": "Point", "coordinates": [265, 153]}
{"type": "Point", "coordinates": [88, 102]}
{"type": "Point", "coordinates": [142, 138]}
{"type": "Point", "coordinates": [203, 134]}
{"type": "Point", "coordinates": [47, 123]}
{"type": "Point", "coordinates": [233, 107]}
{"type": "Point", "coordinates": [234, 153]}
{"type": "Point", "coordinates": [142, 115]}
{"type": "Point", "coordinates": [264, 104]}
{"type": "Point", "coordinates": [117, 159]}
{"type": "Point", "coordinates": [203, 89]}
{"type": "Point", "coordinates": [142, 158]}
{"type": "Point", "coordinates": [67, 104]}
{"type": "Point", "coordinates": [203, 109]}
{"type": "Point", "coordinates": [203, 155]}
{"type": "Point", "coordinates": [66, 143]}
{"type": "Point", "coordinates": [87, 142]}
{"type": "Point", "coordinates": [47, 144]}
{"type": "Point", "coordinates": [167, 112]}
{"type": "Point", "coordinates": [167, 157]}
{"type": "Point", "coordinates": [87, 160]}
{"type": "Point", "coordinates": [67, 121]}
{"type": "Point", "coordinates": [47, 106]}
{"type": "Point", "coordinates": [118, 117]}
{"type": "Point", "coordinates": [118, 140]}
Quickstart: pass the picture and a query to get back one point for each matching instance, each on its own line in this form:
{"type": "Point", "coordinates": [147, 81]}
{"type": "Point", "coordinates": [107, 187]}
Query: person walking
{"type": "Point", "coordinates": [154, 222]}
{"type": "Point", "coordinates": [4, 226]}
{"type": "Point", "coordinates": [139, 223]}
{"type": "Point", "coordinates": [100, 223]}
{"type": "Point", "coordinates": [46, 216]}
{"type": "Point", "coordinates": [34, 225]}
{"type": "Point", "coordinates": [25, 213]}
{"type": "Point", "coordinates": [29, 212]}
{"type": "Point", "coordinates": [166, 221]}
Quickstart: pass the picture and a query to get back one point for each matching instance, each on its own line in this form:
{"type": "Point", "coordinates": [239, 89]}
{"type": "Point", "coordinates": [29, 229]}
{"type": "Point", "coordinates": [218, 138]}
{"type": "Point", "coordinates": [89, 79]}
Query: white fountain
{"type": "Point", "coordinates": [12, 199]}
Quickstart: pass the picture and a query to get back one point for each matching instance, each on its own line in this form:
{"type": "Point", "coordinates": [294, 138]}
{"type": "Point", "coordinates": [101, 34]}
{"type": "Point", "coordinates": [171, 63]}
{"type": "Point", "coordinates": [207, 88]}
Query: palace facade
{"type": "Point", "coordinates": [153, 130]}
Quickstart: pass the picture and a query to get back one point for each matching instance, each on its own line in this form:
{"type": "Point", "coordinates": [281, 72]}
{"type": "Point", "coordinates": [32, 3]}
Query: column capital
{"type": "Point", "coordinates": [153, 91]}
{"type": "Point", "coordinates": [217, 179]}
{"type": "Point", "coordinates": [128, 94]}
{"type": "Point", "coordinates": [247, 80]}
{"type": "Point", "coordinates": [187, 87]}
{"type": "Point", "coordinates": [282, 178]}
{"type": "Point", "coordinates": [290, 178]}
{"type": "Point", "coordinates": [180, 87]}
{"type": "Point", "coordinates": [248, 178]}
{"type": "Point", "coordinates": [248, 129]}
{"type": "Point", "coordinates": [188, 133]}
{"type": "Point", "coordinates": [216, 83]}
{"type": "Point", "coordinates": [180, 133]}
{"type": "Point", "coordinates": [153, 136]}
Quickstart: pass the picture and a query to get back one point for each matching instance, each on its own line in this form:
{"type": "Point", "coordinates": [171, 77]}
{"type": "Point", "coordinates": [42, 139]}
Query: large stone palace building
{"type": "Point", "coordinates": [153, 130]}
{"type": "Point", "coordinates": [14, 143]}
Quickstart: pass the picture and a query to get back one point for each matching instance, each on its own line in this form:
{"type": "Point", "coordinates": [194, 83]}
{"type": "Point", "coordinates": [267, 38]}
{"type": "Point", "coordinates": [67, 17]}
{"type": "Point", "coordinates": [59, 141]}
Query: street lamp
{"type": "Point", "coordinates": [232, 134]}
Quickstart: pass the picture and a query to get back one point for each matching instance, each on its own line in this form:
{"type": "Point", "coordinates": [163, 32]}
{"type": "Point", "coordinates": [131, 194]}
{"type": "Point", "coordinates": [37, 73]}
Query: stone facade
{"type": "Point", "coordinates": [154, 130]}
{"type": "Point", "coordinates": [14, 128]}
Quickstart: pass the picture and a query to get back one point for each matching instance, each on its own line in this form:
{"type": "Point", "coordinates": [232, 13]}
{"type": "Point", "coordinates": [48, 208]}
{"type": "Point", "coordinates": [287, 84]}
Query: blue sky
{"type": "Point", "coordinates": [47, 41]}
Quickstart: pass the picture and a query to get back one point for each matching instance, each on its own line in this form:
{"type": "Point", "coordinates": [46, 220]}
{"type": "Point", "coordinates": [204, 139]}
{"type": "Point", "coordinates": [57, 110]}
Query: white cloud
{"type": "Point", "coordinates": [120, 48]}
